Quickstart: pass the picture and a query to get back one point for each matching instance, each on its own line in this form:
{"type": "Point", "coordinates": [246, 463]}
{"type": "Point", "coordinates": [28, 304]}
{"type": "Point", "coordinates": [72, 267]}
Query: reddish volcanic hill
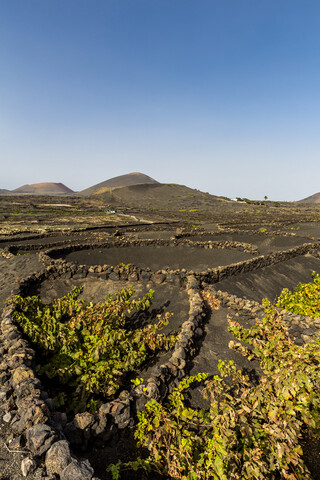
{"type": "Point", "coordinates": [45, 188]}
{"type": "Point", "coordinates": [312, 199]}
{"type": "Point", "coordinates": [135, 178]}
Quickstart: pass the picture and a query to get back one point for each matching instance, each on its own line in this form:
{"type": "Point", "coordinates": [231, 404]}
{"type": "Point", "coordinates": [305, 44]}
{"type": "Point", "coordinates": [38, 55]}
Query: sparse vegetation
{"type": "Point", "coordinates": [245, 200]}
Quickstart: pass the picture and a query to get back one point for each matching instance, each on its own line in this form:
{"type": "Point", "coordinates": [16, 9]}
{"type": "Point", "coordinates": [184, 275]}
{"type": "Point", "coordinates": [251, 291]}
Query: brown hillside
{"type": "Point", "coordinates": [312, 199]}
{"type": "Point", "coordinates": [45, 188]}
{"type": "Point", "coordinates": [166, 197]}
{"type": "Point", "coordinates": [134, 178]}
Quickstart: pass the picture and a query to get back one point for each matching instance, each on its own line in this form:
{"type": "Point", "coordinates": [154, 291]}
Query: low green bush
{"type": "Point", "coordinates": [305, 300]}
{"type": "Point", "coordinates": [88, 347]}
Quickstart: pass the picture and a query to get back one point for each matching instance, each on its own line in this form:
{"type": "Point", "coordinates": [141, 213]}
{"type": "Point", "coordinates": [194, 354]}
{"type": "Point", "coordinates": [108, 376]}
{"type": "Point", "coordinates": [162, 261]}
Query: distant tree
{"type": "Point", "coordinates": [265, 197]}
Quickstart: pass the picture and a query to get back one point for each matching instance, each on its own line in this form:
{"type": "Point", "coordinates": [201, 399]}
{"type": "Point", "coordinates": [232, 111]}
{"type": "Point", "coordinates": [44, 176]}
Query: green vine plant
{"type": "Point", "coordinates": [304, 300]}
{"type": "Point", "coordinates": [124, 267]}
{"type": "Point", "coordinates": [88, 347]}
{"type": "Point", "coordinates": [248, 431]}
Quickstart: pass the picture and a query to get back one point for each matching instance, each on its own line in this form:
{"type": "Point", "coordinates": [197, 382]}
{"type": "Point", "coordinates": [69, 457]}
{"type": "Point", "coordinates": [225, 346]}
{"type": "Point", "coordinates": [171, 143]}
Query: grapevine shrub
{"type": "Point", "coordinates": [305, 300]}
{"type": "Point", "coordinates": [249, 431]}
{"type": "Point", "coordinates": [88, 347]}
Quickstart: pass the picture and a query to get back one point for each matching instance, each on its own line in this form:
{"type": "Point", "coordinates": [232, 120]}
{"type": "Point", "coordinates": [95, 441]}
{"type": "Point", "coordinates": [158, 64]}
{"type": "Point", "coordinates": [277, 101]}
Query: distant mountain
{"type": "Point", "coordinates": [46, 188]}
{"type": "Point", "coordinates": [135, 178]}
{"type": "Point", "coordinates": [4, 191]}
{"type": "Point", "coordinates": [312, 199]}
{"type": "Point", "coordinates": [160, 196]}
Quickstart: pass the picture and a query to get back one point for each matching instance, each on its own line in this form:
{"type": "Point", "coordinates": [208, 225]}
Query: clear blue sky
{"type": "Point", "coordinates": [219, 95]}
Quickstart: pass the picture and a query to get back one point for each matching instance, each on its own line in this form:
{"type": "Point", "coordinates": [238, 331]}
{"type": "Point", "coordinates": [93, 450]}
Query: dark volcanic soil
{"type": "Point", "coordinates": [14, 269]}
{"type": "Point", "coordinates": [265, 244]}
{"type": "Point", "coordinates": [190, 258]}
{"type": "Point", "coordinates": [214, 346]}
{"type": "Point", "coordinates": [269, 281]}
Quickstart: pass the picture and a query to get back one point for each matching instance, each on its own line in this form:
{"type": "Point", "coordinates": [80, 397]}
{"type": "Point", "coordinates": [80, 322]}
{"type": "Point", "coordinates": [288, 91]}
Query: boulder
{"type": "Point", "coordinates": [39, 438]}
{"type": "Point", "coordinates": [77, 471]}
{"type": "Point", "coordinates": [58, 457]}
